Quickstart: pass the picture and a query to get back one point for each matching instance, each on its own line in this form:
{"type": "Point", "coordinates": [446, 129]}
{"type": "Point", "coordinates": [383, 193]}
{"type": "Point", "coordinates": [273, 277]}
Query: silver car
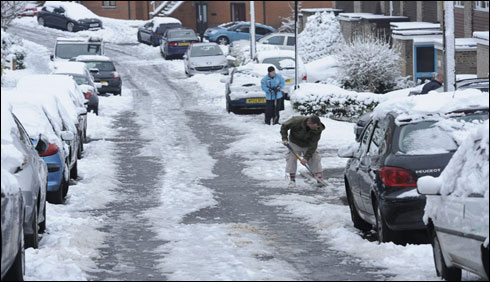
{"type": "Point", "coordinates": [205, 58]}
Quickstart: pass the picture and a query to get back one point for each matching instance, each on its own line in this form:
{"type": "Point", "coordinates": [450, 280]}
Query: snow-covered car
{"type": "Point", "coordinates": [205, 58]}
{"type": "Point", "coordinates": [240, 30]}
{"type": "Point", "coordinates": [29, 10]}
{"type": "Point", "coordinates": [82, 76]}
{"type": "Point", "coordinates": [151, 33]}
{"type": "Point", "coordinates": [36, 121]}
{"type": "Point", "coordinates": [470, 83]}
{"type": "Point", "coordinates": [68, 48]}
{"type": "Point", "coordinates": [404, 140]}
{"type": "Point", "coordinates": [176, 41]}
{"type": "Point", "coordinates": [104, 72]}
{"type": "Point", "coordinates": [30, 172]}
{"type": "Point", "coordinates": [66, 99]}
{"type": "Point", "coordinates": [68, 16]}
{"type": "Point", "coordinates": [243, 88]}
{"type": "Point", "coordinates": [457, 210]}
{"type": "Point", "coordinates": [284, 61]}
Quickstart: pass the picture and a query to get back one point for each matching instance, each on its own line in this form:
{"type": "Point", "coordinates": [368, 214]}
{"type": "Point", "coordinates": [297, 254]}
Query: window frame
{"type": "Point", "coordinates": [478, 6]}
{"type": "Point", "coordinates": [110, 4]}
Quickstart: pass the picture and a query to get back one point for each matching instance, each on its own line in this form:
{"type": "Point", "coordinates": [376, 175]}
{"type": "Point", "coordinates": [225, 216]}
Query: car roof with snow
{"type": "Point", "coordinates": [91, 39]}
{"type": "Point", "coordinates": [433, 105]}
{"type": "Point", "coordinates": [97, 58]}
{"type": "Point", "coordinates": [72, 10]}
{"type": "Point", "coordinates": [262, 55]}
{"type": "Point", "coordinates": [165, 20]}
{"type": "Point", "coordinates": [63, 67]}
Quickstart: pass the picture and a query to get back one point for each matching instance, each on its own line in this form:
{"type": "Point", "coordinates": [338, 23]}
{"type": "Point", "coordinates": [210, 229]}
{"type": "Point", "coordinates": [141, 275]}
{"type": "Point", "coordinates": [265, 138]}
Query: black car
{"type": "Point", "coordinates": [103, 70]}
{"type": "Point", "coordinates": [381, 175]}
{"type": "Point", "coordinates": [67, 16]}
{"type": "Point", "coordinates": [151, 33]}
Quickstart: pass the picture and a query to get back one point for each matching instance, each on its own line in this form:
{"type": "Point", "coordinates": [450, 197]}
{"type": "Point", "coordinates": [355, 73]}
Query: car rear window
{"type": "Point", "coordinates": [281, 62]}
{"type": "Point", "coordinates": [204, 51]}
{"type": "Point", "coordinates": [163, 27]}
{"type": "Point", "coordinates": [101, 66]}
{"type": "Point", "coordinates": [80, 80]}
{"type": "Point", "coordinates": [181, 34]}
{"type": "Point", "coordinates": [68, 51]}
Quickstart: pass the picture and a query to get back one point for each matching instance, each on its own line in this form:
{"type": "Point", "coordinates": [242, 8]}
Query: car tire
{"type": "Point", "coordinates": [229, 107]}
{"type": "Point", "coordinates": [41, 21]}
{"type": "Point", "coordinates": [16, 271]}
{"type": "Point", "coordinates": [152, 42]}
{"type": "Point", "coordinates": [70, 26]}
{"type": "Point", "coordinates": [42, 225]}
{"type": "Point", "coordinates": [385, 234]}
{"type": "Point", "coordinates": [118, 93]}
{"type": "Point", "coordinates": [223, 40]}
{"type": "Point", "coordinates": [32, 240]}
{"type": "Point", "coordinates": [359, 223]}
{"type": "Point", "coordinates": [139, 37]}
{"type": "Point", "coordinates": [80, 148]}
{"type": "Point", "coordinates": [447, 273]}
{"type": "Point", "coordinates": [58, 197]}
{"type": "Point", "coordinates": [74, 171]}
{"type": "Point", "coordinates": [484, 254]}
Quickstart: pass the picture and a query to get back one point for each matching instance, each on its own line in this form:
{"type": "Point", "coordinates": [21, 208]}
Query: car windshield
{"type": "Point", "coordinates": [204, 51]}
{"type": "Point", "coordinates": [101, 66]}
{"type": "Point", "coordinates": [68, 51]}
{"type": "Point", "coordinates": [281, 63]}
{"type": "Point", "coordinates": [432, 137]}
{"type": "Point", "coordinates": [181, 34]}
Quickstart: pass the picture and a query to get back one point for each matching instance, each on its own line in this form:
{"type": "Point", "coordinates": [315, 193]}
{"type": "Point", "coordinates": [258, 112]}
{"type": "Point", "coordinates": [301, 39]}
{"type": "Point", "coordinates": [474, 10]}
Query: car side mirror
{"type": "Point", "coordinates": [81, 111]}
{"type": "Point", "coordinates": [429, 185]}
{"type": "Point", "coordinates": [348, 151]}
{"type": "Point", "coordinates": [42, 144]}
{"type": "Point", "coordinates": [67, 136]}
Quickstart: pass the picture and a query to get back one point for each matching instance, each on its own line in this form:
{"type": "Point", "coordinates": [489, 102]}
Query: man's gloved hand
{"type": "Point", "coordinates": [285, 142]}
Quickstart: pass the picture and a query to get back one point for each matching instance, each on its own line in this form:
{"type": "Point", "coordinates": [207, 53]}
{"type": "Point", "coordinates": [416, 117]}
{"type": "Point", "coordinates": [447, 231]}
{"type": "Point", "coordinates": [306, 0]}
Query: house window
{"type": "Point", "coordinates": [108, 3]}
{"type": "Point", "coordinates": [481, 6]}
{"type": "Point", "coordinates": [237, 12]}
{"type": "Point", "coordinates": [459, 4]}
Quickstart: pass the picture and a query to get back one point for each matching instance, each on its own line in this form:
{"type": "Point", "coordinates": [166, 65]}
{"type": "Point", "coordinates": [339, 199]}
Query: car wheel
{"type": "Point", "coordinates": [42, 225]}
{"type": "Point", "coordinates": [385, 234]}
{"type": "Point", "coordinates": [57, 197]}
{"type": "Point", "coordinates": [80, 149]}
{"type": "Point", "coordinates": [484, 253]}
{"type": "Point", "coordinates": [40, 21]}
{"type": "Point", "coordinates": [229, 107]}
{"type": "Point", "coordinates": [70, 26]}
{"type": "Point", "coordinates": [359, 223]}
{"type": "Point", "coordinates": [74, 171]}
{"type": "Point", "coordinates": [16, 271]}
{"type": "Point", "coordinates": [139, 37]}
{"type": "Point", "coordinates": [32, 240]}
{"type": "Point", "coordinates": [223, 40]}
{"type": "Point", "coordinates": [447, 273]}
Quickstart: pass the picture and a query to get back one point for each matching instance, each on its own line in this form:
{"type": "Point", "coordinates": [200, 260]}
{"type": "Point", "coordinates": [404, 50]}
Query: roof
{"type": "Point", "coordinates": [461, 44]}
{"type": "Point", "coordinates": [83, 58]}
{"type": "Point", "coordinates": [481, 37]}
{"type": "Point", "coordinates": [69, 68]}
{"type": "Point", "coordinates": [368, 16]}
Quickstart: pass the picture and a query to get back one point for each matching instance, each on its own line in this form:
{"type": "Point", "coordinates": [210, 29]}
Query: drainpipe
{"type": "Point", "coordinates": [148, 9]}
{"type": "Point", "coordinates": [263, 10]}
{"type": "Point", "coordinates": [129, 10]}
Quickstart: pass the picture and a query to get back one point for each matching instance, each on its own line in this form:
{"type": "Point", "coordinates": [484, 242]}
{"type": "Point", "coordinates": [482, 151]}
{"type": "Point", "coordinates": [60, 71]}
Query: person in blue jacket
{"type": "Point", "coordinates": [272, 84]}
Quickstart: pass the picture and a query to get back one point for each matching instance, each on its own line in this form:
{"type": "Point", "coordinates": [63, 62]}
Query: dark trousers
{"type": "Point", "coordinates": [270, 110]}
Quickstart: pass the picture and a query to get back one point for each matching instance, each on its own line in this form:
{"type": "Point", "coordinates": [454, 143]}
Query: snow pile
{"type": "Point", "coordinates": [321, 37]}
{"type": "Point", "coordinates": [12, 158]}
{"type": "Point", "coordinates": [333, 101]}
{"type": "Point", "coordinates": [420, 106]}
{"type": "Point", "coordinates": [370, 64]}
{"type": "Point", "coordinates": [323, 70]}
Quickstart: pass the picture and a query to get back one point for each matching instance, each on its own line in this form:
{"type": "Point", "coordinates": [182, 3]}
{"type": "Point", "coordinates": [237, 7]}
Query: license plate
{"type": "Point", "coordinates": [94, 25]}
{"type": "Point", "coordinates": [288, 80]}
{"type": "Point", "coordinates": [104, 83]}
{"type": "Point", "coordinates": [255, 101]}
{"type": "Point", "coordinates": [184, 44]}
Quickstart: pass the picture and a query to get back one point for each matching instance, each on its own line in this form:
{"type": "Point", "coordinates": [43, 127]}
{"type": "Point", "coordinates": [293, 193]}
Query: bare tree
{"type": "Point", "coordinates": [10, 9]}
{"type": "Point", "coordinates": [287, 24]}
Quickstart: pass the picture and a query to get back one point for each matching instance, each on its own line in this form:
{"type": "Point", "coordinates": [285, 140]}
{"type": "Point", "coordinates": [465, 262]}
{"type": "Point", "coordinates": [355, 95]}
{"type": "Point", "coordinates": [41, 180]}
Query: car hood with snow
{"type": "Point", "coordinates": [247, 81]}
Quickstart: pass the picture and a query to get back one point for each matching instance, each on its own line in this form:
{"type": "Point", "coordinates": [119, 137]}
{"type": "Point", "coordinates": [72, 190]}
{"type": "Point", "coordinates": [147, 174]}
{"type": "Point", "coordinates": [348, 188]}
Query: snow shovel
{"type": "Point", "coordinates": [320, 181]}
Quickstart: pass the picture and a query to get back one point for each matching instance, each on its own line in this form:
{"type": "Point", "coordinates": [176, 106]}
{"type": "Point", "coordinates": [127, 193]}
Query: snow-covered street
{"type": "Point", "coordinates": [173, 187]}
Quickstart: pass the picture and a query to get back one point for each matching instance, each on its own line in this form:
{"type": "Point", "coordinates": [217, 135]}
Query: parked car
{"type": "Point", "coordinates": [68, 48]}
{"type": "Point", "coordinates": [68, 16]}
{"type": "Point", "coordinates": [30, 10]}
{"type": "Point", "coordinates": [240, 30]}
{"type": "Point", "coordinates": [104, 72]}
{"type": "Point", "coordinates": [360, 124]}
{"type": "Point", "coordinates": [79, 72]}
{"type": "Point", "coordinates": [151, 33]}
{"type": "Point", "coordinates": [381, 174]}
{"type": "Point", "coordinates": [457, 210]}
{"type": "Point", "coordinates": [243, 88]}
{"type": "Point", "coordinates": [284, 41]}
{"type": "Point", "coordinates": [175, 42]}
{"type": "Point", "coordinates": [64, 99]}
{"type": "Point", "coordinates": [13, 255]}
{"type": "Point", "coordinates": [284, 61]}
{"type": "Point", "coordinates": [36, 121]}
{"type": "Point", "coordinates": [470, 83]}
{"type": "Point", "coordinates": [205, 58]}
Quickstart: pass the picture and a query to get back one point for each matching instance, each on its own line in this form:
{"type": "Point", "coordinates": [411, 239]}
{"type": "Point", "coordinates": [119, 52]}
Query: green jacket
{"type": "Point", "coordinates": [301, 134]}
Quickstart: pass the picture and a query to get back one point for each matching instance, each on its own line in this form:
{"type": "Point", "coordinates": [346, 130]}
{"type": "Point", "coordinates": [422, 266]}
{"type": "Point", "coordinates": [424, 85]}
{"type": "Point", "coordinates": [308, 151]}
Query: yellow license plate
{"type": "Point", "coordinates": [257, 100]}
{"type": "Point", "coordinates": [184, 44]}
{"type": "Point", "coordinates": [288, 80]}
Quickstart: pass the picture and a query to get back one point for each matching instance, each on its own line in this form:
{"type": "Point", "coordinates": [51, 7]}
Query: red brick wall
{"type": "Point", "coordinates": [138, 9]}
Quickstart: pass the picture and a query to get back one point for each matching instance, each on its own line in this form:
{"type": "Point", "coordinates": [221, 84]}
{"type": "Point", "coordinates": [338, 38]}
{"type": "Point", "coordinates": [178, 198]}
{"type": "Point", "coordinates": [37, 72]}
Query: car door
{"type": "Point", "coordinates": [59, 19]}
{"type": "Point", "coordinates": [290, 43]}
{"type": "Point", "coordinates": [355, 167]}
{"type": "Point", "coordinates": [370, 163]}
{"type": "Point", "coordinates": [145, 32]}
{"type": "Point", "coordinates": [241, 32]}
{"type": "Point", "coordinates": [448, 224]}
{"type": "Point", "coordinates": [277, 40]}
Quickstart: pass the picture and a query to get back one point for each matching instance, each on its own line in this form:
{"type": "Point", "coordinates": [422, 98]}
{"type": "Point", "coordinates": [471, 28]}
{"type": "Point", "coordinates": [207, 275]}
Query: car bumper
{"type": "Point", "coordinates": [87, 26]}
{"type": "Point", "coordinates": [243, 104]}
{"type": "Point", "coordinates": [403, 214]}
{"type": "Point", "coordinates": [177, 50]}
{"type": "Point", "coordinates": [212, 69]}
{"type": "Point", "coordinates": [114, 85]}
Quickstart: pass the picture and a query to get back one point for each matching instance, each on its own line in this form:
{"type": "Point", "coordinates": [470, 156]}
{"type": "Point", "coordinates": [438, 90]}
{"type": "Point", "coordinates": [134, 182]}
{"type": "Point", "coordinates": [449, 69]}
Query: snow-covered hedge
{"type": "Point", "coordinates": [320, 37]}
{"type": "Point", "coordinates": [332, 101]}
{"type": "Point", "coordinates": [369, 64]}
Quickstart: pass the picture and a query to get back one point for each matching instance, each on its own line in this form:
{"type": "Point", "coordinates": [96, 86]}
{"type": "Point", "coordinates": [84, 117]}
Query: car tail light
{"type": "Point", "coordinates": [88, 94]}
{"type": "Point", "coordinates": [52, 149]}
{"type": "Point", "coordinates": [116, 74]}
{"type": "Point", "coordinates": [304, 77]}
{"type": "Point", "coordinates": [397, 177]}
{"type": "Point", "coordinates": [173, 44]}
